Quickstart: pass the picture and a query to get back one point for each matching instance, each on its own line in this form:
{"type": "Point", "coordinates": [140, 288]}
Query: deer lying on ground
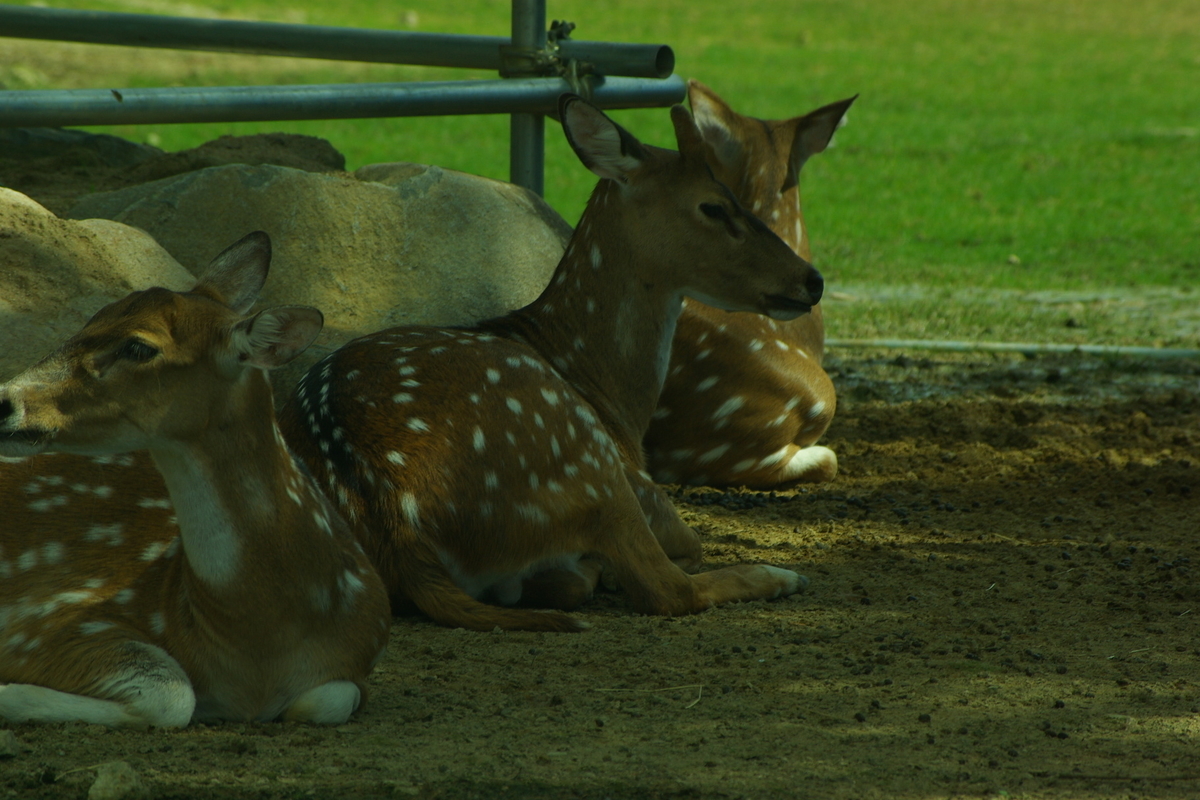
{"type": "Point", "coordinates": [746, 397]}
{"type": "Point", "coordinates": [493, 462]}
{"type": "Point", "coordinates": [253, 602]}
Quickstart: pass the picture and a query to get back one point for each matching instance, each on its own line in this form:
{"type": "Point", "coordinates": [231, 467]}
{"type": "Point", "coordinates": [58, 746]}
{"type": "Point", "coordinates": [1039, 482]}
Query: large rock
{"type": "Point", "coordinates": [55, 274]}
{"type": "Point", "coordinates": [393, 244]}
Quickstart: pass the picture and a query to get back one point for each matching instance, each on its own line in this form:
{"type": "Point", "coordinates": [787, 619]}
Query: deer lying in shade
{"type": "Point", "coordinates": [746, 397]}
{"type": "Point", "coordinates": [253, 601]}
{"type": "Point", "coordinates": [503, 460]}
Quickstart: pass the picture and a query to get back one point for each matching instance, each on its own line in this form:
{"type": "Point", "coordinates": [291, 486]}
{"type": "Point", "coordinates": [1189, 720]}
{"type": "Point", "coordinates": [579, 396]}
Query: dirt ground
{"type": "Point", "coordinates": [1003, 604]}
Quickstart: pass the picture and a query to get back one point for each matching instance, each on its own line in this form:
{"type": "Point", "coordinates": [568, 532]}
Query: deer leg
{"type": "Point", "coordinates": [140, 686]}
{"type": "Point", "coordinates": [330, 703]}
{"type": "Point", "coordinates": [562, 588]}
{"type": "Point", "coordinates": [657, 585]}
{"type": "Point", "coordinates": [425, 581]}
{"type": "Point", "coordinates": [677, 539]}
{"type": "Point", "coordinates": [814, 464]}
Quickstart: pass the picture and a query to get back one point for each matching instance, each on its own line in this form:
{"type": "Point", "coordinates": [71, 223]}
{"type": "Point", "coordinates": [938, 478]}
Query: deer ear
{"type": "Point", "coordinates": [602, 145]}
{"type": "Point", "coordinates": [813, 134]}
{"type": "Point", "coordinates": [715, 119]}
{"type": "Point", "coordinates": [687, 135]}
{"type": "Point", "coordinates": [273, 337]}
{"type": "Point", "coordinates": [237, 274]}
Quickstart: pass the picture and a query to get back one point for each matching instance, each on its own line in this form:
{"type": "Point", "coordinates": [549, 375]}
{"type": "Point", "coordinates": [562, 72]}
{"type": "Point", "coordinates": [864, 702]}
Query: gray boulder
{"type": "Point", "coordinates": [393, 244]}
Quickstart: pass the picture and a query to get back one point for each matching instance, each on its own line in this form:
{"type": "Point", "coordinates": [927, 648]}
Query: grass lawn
{"type": "Point", "coordinates": [997, 147]}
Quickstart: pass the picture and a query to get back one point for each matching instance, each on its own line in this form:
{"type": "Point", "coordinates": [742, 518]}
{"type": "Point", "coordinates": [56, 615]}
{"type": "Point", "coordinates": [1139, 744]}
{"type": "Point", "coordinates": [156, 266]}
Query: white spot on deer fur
{"type": "Point", "coordinates": [491, 480]}
{"type": "Point", "coordinates": [94, 583]}
{"type": "Point", "coordinates": [776, 457]}
{"type": "Point", "coordinates": [790, 404]}
{"type": "Point", "coordinates": [27, 560]}
{"type": "Point", "coordinates": [713, 454]}
{"type": "Point", "coordinates": [533, 481]}
{"type": "Point", "coordinates": [510, 437]}
{"type": "Point", "coordinates": [799, 234]}
{"type": "Point", "coordinates": [706, 384]}
{"type": "Point", "coordinates": [532, 513]}
{"type": "Point", "coordinates": [402, 397]}
{"type": "Point", "coordinates": [493, 375]}
{"type": "Point", "coordinates": [322, 522]}
{"type": "Point", "coordinates": [816, 410]}
{"type": "Point", "coordinates": [775, 215]}
{"type": "Point", "coordinates": [579, 343]}
{"type": "Point", "coordinates": [514, 405]}
{"type": "Point", "coordinates": [662, 412]}
{"type": "Point", "coordinates": [590, 306]}
{"type": "Point", "coordinates": [775, 423]}
{"type": "Point", "coordinates": [295, 498]}
{"type": "Point", "coordinates": [58, 501]}
{"type": "Point", "coordinates": [729, 406]}
{"type": "Point", "coordinates": [418, 425]}
{"type": "Point", "coordinates": [595, 257]}
{"type": "Point", "coordinates": [479, 440]}
{"type": "Point", "coordinates": [349, 583]}
{"type": "Point", "coordinates": [395, 458]}
{"type": "Point", "coordinates": [755, 345]}
{"type": "Point", "coordinates": [742, 466]}
{"type": "Point", "coordinates": [703, 354]}
{"type": "Point", "coordinates": [550, 396]}
{"type": "Point", "coordinates": [591, 491]}
{"type": "Point", "coordinates": [537, 420]}
{"type": "Point", "coordinates": [53, 552]}
{"type": "Point", "coordinates": [123, 597]}
{"type": "Point", "coordinates": [89, 628]}
{"type": "Point", "coordinates": [554, 447]}
{"type": "Point", "coordinates": [154, 502]}
{"type": "Point", "coordinates": [153, 550]}
{"type": "Point", "coordinates": [321, 598]}
{"type": "Point", "coordinates": [158, 623]}
{"type": "Point", "coordinates": [412, 512]}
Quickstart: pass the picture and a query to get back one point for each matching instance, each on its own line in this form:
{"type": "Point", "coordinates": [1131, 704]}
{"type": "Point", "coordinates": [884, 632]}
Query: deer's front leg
{"type": "Point", "coordinates": [132, 684]}
{"type": "Point", "coordinates": [330, 703]}
{"type": "Point", "coordinates": [678, 540]}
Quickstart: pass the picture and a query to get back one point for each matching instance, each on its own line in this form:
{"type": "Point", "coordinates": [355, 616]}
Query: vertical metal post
{"type": "Point", "coordinates": [527, 132]}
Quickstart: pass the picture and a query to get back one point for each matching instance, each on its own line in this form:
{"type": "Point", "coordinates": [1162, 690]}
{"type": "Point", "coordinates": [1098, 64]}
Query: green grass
{"type": "Point", "coordinates": [1008, 144]}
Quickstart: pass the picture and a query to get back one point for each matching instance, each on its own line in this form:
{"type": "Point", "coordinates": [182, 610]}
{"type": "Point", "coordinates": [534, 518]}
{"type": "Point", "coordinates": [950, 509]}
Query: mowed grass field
{"type": "Point", "coordinates": [997, 148]}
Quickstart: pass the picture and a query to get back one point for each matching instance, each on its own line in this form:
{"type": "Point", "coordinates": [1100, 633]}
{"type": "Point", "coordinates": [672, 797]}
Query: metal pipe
{"type": "Point", "coordinates": [314, 41]}
{"type": "Point", "coordinates": [1017, 347]}
{"type": "Point", "coordinates": [65, 107]}
{"type": "Point", "coordinates": [527, 132]}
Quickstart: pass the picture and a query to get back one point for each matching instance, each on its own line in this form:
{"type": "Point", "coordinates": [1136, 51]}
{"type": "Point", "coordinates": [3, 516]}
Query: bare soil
{"type": "Point", "coordinates": [1004, 603]}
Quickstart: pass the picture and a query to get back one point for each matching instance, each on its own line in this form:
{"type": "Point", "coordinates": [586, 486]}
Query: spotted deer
{"type": "Point", "coordinates": [503, 462]}
{"type": "Point", "coordinates": [239, 593]}
{"type": "Point", "coordinates": [746, 397]}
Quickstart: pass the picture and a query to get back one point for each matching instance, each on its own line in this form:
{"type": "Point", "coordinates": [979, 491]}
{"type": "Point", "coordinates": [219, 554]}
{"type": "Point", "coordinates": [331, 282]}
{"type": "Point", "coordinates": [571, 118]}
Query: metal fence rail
{"type": "Point", "coordinates": [528, 63]}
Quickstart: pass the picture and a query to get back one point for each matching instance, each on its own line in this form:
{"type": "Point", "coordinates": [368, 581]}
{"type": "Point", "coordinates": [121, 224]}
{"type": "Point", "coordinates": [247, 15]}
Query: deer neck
{"type": "Point", "coordinates": [236, 489]}
{"type": "Point", "coordinates": [604, 322]}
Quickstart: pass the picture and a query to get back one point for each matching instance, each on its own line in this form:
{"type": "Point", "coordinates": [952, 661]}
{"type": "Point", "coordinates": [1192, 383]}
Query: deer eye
{"type": "Point", "coordinates": [136, 350]}
{"type": "Point", "coordinates": [715, 211]}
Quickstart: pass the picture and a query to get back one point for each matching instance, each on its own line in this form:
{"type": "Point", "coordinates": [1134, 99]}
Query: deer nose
{"type": "Point", "coordinates": [7, 409]}
{"type": "Point", "coordinates": [815, 285]}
